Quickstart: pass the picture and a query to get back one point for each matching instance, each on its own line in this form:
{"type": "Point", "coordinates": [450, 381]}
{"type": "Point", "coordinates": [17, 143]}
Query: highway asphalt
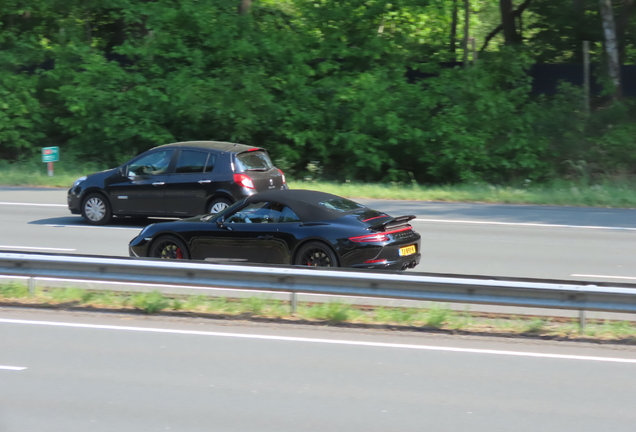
{"type": "Point", "coordinates": [75, 372]}
{"type": "Point", "coordinates": [494, 240]}
{"type": "Point", "coordinates": [584, 244]}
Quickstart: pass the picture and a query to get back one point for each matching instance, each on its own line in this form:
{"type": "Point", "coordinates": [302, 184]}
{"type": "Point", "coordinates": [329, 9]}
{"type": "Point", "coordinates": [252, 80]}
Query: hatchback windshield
{"type": "Point", "coordinates": [254, 161]}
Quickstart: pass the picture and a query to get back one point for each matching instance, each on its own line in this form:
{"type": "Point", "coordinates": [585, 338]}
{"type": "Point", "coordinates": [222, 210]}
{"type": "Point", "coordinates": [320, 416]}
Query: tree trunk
{"type": "Point", "coordinates": [453, 34]}
{"type": "Point", "coordinates": [466, 30]}
{"type": "Point", "coordinates": [515, 13]}
{"type": "Point", "coordinates": [508, 22]}
{"type": "Point", "coordinates": [611, 45]}
{"type": "Point", "coordinates": [245, 6]}
{"type": "Point", "coordinates": [623, 22]}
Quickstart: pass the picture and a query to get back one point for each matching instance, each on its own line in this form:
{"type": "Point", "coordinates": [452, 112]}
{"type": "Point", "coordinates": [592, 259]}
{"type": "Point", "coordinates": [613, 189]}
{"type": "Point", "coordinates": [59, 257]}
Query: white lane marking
{"type": "Point", "coordinates": [34, 204]}
{"type": "Point", "coordinates": [323, 341]}
{"type": "Point", "coordinates": [604, 277]}
{"type": "Point", "coordinates": [523, 224]}
{"type": "Point", "coordinates": [13, 368]}
{"type": "Point", "coordinates": [89, 226]}
{"type": "Point", "coordinates": [35, 248]}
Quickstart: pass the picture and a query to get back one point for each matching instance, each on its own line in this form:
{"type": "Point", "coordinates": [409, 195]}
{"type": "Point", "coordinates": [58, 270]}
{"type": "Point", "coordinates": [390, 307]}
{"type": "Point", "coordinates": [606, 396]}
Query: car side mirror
{"type": "Point", "coordinates": [220, 222]}
{"type": "Point", "coordinates": [123, 170]}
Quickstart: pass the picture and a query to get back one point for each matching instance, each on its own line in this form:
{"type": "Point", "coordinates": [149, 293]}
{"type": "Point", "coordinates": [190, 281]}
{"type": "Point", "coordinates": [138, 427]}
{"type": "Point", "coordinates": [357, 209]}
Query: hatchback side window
{"type": "Point", "coordinates": [209, 166]}
{"type": "Point", "coordinates": [191, 161]}
{"type": "Point", "coordinates": [151, 164]}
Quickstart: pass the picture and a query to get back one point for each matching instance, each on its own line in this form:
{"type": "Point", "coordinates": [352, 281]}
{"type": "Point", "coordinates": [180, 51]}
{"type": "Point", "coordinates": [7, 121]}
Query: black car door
{"type": "Point", "coordinates": [193, 180]}
{"type": "Point", "coordinates": [142, 189]}
{"type": "Point", "coordinates": [246, 235]}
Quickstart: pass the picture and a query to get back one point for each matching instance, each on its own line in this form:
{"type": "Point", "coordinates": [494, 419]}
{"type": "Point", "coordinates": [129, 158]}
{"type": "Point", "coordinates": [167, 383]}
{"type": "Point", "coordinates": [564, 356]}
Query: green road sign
{"type": "Point", "coordinates": [50, 154]}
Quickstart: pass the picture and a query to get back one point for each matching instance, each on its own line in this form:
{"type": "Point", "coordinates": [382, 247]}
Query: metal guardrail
{"type": "Point", "coordinates": [570, 295]}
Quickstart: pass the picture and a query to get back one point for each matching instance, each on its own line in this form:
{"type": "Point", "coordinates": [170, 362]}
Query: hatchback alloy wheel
{"type": "Point", "coordinates": [95, 209]}
{"type": "Point", "coordinates": [219, 205]}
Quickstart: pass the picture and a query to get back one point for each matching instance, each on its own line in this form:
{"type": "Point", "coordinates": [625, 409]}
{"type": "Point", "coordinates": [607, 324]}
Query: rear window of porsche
{"type": "Point", "coordinates": [342, 205]}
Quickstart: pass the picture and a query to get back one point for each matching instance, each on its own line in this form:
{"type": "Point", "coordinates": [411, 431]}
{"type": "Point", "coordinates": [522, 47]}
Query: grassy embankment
{"type": "Point", "coordinates": [436, 318]}
{"type": "Point", "coordinates": [619, 193]}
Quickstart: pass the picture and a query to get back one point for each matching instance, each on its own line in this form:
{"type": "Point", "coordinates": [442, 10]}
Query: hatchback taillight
{"type": "Point", "coordinates": [282, 174]}
{"type": "Point", "coordinates": [243, 180]}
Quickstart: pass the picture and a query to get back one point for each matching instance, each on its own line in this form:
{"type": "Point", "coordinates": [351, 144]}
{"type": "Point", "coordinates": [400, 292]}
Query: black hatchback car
{"type": "Point", "coordinates": [176, 180]}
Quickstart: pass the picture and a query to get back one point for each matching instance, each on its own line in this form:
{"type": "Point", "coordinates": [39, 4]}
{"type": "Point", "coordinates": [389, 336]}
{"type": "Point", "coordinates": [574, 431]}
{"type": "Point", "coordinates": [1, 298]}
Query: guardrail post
{"type": "Point", "coordinates": [582, 320]}
{"type": "Point", "coordinates": [293, 303]}
{"type": "Point", "coordinates": [31, 286]}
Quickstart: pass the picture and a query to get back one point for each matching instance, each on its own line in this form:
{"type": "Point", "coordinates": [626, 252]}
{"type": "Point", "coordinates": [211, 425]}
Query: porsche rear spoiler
{"type": "Point", "coordinates": [398, 222]}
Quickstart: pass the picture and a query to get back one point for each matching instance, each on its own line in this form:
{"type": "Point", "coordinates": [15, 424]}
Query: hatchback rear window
{"type": "Point", "coordinates": [342, 205]}
{"type": "Point", "coordinates": [254, 161]}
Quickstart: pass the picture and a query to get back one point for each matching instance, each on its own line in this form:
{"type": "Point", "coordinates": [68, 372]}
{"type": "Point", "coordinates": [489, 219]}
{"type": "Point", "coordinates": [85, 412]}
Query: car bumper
{"type": "Point", "coordinates": [402, 263]}
{"type": "Point", "coordinates": [138, 247]}
{"type": "Point", "coordinates": [73, 200]}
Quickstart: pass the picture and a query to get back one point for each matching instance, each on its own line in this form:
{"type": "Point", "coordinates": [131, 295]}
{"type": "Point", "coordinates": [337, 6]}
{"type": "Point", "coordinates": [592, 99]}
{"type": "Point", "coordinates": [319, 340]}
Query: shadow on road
{"type": "Point", "coordinates": [128, 222]}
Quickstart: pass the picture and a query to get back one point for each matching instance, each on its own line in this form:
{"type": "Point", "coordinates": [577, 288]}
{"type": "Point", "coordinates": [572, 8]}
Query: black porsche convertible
{"type": "Point", "coordinates": [299, 227]}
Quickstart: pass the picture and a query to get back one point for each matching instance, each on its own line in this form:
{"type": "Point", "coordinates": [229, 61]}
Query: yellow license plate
{"type": "Point", "coordinates": [408, 250]}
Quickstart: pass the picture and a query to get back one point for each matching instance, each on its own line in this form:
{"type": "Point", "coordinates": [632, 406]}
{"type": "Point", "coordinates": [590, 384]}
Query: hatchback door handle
{"type": "Point", "coordinates": [265, 237]}
{"type": "Point", "coordinates": [159, 183]}
{"type": "Point", "coordinates": [204, 181]}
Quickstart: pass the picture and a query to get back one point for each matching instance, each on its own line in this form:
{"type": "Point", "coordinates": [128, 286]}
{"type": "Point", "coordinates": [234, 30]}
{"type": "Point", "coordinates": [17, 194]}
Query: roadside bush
{"type": "Point", "coordinates": [150, 302]}
{"type": "Point", "coordinates": [437, 316]}
{"type": "Point", "coordinates": [319, 84]}
{"type": "Point", "coordinates": [14, 290]}
{"type": "Point", "coordinates": [333, 311]}
{"type": "Point", "coordinates": [21, 117]}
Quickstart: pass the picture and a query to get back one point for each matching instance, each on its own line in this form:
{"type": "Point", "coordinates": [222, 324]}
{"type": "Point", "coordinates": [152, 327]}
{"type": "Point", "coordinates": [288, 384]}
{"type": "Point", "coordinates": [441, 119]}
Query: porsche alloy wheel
{"type": "Point", "coordinates": [169, 247]}
{"type": "Point", "coordinates": [316, 254]}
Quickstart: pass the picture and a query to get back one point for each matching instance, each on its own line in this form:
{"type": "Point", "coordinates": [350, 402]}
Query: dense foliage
{"type": "Point", "coordinates": [322, 84]}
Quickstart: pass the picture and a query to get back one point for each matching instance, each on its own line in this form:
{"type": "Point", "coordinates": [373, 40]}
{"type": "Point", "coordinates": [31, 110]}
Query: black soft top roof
{"type": "Point", "coordinates": [305, 203]}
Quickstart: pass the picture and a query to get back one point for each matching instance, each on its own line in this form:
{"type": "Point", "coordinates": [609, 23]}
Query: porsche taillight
{"type": "Point", "coordinates": [380, 237]}
{"type": "Point", "coordinates": [243, 180]}
{"type": "Point", "coordinates": [377, 237]}
{"type": "Point", "coordinates": [376, 261]}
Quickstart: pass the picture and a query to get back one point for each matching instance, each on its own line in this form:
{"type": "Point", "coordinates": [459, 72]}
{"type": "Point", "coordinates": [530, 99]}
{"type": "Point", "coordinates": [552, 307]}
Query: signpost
{"type": "Point", "coordinates": [50, 155]}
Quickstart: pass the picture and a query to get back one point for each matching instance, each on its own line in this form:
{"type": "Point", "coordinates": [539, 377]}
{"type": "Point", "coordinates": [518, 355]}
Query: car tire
{"type": "Point", "coordinates": [169, 247]}
{"type": "Point", "coordinates": [316, 254]}
{"type": "Point", "coordinates": [218, 205]}
{"type": "Point", "coordinates": [96, 209]}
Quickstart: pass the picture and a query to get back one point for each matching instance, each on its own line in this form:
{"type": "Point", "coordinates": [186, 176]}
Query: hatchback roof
{"type": "Point", "coordinates": [214, 145]}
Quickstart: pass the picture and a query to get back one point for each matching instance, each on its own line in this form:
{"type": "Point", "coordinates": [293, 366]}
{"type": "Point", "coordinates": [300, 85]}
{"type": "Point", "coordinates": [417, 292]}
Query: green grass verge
{"type": "Point", "coordinates": [436, 317]}
{"type": "Point", "coordinates": [615, 192]}
{"type": "Point", "coordinates": [610, 193]}
{"type": "Point", "coordinates": [35, 173]}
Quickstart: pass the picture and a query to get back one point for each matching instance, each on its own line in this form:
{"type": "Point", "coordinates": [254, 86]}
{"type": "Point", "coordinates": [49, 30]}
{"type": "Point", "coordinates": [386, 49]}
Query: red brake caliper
{"type": "Point", "coordinates": [179, 253]}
